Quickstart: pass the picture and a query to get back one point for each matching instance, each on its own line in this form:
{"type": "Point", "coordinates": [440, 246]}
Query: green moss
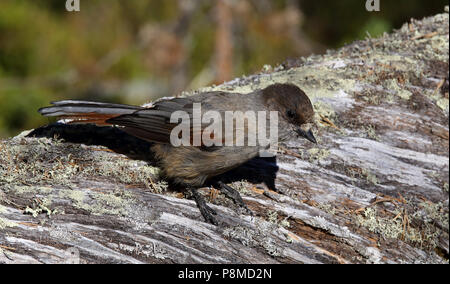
{"type": "Point", "coordinates": [97, 203]}
{"type": "Point", "coordinates": [324, 109]}
{"type": "Point", "coordinates": [45, 161]}
{"type": "Point", "coordinates": [388, 228]}
{"type": "Point", "coordinates": [392, 85]}
{"type": "Point", "coordinates": [242, 186]}
{"type": "Point", "coordinates": [6, 223]}
{"type": "Point", "coordinates": [434, 212]}
{"type": "Point", "coordinates": [41, 207]}
{"type": "Point", "coordinates": [361, 173]}
{"type": "Point", "coordinates": [77, 196]}
{"type": "Point", "coordinates": [3, 222]}
{"type": "Point", "coordinates": [316, 154]}
{"type": "Point", "coordinates": [370, 178]}
{"type": "Point", "coordinates": [243, 235]}
{"type": "Point", "coordinates": [47, 169]}
{"type": "Point", "coordinates": [110, 203]}
{"type": "Point", "coordinates": [271, 249]}
{"type": "Point", "coordinates": [252, 238]}
{"type": "Point", "coordinates": [160, 186]}
{"type": "Point", "coordinates": [328, 208]}
{"type": "Point", "coordinates": [310, 80]}
{"type": "Point", "coordinates": [126, 171]}
{"type": "Point", "coordinates": [371, 132]}
{"type": "Point", "coordinates": [285, 223]}
{"type": "Point", "coordinates": [35, 163]}
{"type": "Point", "coordinates": [426, 235]}
{"type": "Point", "coordinates": [389, 99]}
{"type": "Point", "coordinates": [272, 216]}
{"type": "Point", "coordinates": [442, 103]}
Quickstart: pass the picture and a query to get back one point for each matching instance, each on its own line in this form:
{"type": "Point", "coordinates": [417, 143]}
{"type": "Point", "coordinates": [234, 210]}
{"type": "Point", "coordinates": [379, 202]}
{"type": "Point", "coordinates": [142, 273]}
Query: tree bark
{"type": "Point", "coordinates": [374, 190]}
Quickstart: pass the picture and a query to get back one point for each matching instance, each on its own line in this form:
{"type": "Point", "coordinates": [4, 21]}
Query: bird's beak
{"type": "Point", "coordinates": [307, 134]}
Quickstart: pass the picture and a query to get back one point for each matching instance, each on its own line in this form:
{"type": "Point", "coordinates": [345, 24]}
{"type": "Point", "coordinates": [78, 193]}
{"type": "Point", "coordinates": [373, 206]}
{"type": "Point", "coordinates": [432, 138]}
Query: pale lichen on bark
{"type": "Point", "coordinates": [375, 188]}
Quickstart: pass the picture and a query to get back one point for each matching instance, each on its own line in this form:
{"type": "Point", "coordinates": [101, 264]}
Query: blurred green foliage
{"type": "Point", "coordinates": [338, 22]}
{"type": "Point", "coordinates": [135, 50]}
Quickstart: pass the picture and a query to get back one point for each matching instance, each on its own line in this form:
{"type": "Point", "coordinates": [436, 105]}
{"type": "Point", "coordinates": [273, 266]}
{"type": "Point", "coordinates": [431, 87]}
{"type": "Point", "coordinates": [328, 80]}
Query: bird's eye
{"type": "Point", "coordinates": [290, 114]}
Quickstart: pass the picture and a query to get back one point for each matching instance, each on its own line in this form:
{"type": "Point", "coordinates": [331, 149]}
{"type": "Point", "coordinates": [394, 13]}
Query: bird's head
{"type": "Point", "coordinates": [293, 106]}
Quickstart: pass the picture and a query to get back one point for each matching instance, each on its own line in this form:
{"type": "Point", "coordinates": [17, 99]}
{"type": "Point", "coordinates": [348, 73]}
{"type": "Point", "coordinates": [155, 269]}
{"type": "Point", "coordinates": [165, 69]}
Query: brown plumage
{"type": "Point", "coordinates": [193, 165]}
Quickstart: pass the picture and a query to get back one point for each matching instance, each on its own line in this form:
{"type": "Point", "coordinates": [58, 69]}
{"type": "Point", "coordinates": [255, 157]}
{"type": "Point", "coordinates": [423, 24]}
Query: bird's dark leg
{"type": "Point", "coordinates": [234, 195]}
{"type": "Point", "coordinates": [207, 212]}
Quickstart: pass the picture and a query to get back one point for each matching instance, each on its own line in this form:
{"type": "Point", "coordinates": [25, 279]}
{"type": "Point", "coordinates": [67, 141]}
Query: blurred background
{"type": "Point", "coordinates": [133, 51]}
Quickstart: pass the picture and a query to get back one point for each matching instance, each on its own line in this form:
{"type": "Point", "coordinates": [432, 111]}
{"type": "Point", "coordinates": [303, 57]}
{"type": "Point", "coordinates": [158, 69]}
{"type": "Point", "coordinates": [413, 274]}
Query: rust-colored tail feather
{"type": "Point", "coordinates": [87, 112]}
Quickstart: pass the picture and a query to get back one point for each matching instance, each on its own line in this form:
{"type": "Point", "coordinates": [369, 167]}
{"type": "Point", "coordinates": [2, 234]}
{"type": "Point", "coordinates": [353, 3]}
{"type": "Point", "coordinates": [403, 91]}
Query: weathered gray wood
{"type": "Point", "coordinates": [374, 190]}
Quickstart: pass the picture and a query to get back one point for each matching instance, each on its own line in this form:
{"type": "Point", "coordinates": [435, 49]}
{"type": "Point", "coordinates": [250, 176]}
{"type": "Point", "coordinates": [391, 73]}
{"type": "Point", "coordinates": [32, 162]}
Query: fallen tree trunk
{"type": "Point", "coordinates": [374, 190]}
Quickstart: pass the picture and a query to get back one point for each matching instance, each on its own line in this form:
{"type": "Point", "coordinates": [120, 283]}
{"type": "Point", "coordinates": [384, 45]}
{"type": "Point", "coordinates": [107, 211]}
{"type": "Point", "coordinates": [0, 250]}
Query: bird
{"type": "Point", "coordinates": [192, 165]}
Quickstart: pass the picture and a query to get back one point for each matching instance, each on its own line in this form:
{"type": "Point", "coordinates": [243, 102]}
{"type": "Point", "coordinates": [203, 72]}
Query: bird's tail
{"type": "Point", "coordinates": [86, 111]}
